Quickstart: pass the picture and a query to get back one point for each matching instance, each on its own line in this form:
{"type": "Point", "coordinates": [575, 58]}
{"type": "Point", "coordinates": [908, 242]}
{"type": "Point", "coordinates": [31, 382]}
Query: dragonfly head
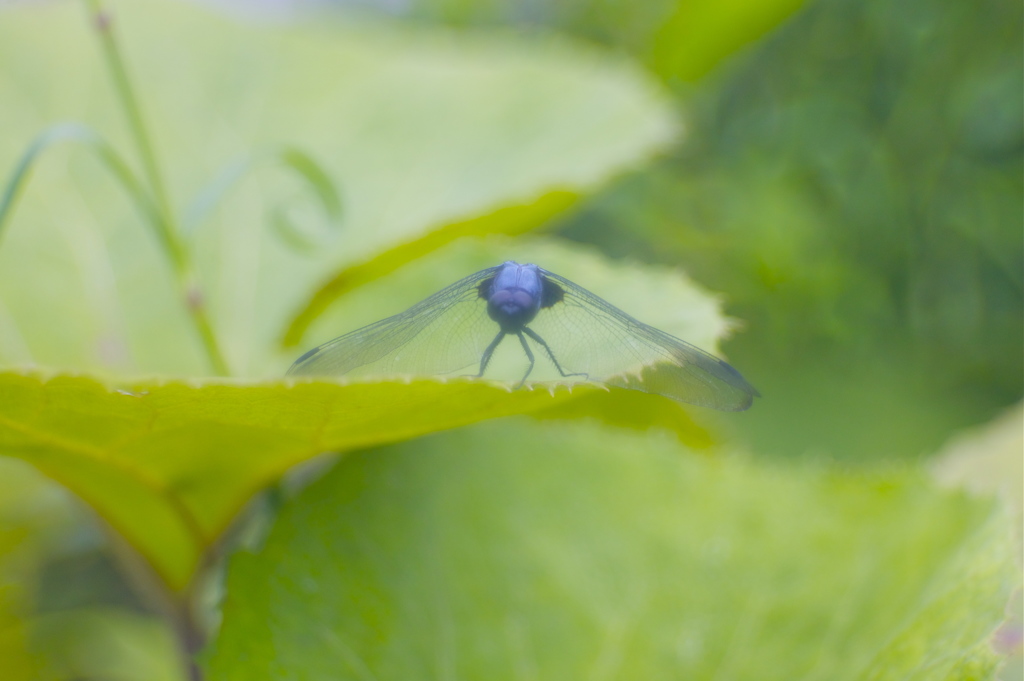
{"type": "Point", "coordinates": [513, 295]}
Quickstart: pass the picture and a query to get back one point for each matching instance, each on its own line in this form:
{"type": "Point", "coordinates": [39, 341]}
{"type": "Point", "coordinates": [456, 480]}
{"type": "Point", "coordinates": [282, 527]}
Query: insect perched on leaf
{"type": "Point", "coordinates": [583, 337]}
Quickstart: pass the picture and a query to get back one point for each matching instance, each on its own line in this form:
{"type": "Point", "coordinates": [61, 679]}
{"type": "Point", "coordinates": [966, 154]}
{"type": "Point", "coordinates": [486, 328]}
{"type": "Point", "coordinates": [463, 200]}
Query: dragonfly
{"type": "Point", "coordinates": [582, 336]}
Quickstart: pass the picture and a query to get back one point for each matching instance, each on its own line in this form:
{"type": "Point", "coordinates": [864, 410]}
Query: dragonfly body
{"type": "Point", "coordinates": [584, 336]}
{"type": "Point", "coordinates": [514, 295]}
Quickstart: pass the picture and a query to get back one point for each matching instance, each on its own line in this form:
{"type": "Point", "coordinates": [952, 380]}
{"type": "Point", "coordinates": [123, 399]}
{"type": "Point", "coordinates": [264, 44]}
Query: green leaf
{"type": "Point", "coordinates": [702, 33]}
{"type": "Point", "coordinates": [107, 643]}
{"type": "Point", "coordinates": [169, 464]}
{"type": "Point", "coordinates": [516, 551]}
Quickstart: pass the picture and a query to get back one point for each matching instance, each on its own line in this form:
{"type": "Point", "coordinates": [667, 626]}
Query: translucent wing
{"type": "Point", "coordinates": [590, 336]}
{"type": "Point", "coordinates": [586, 338]}
{"type": "Point", "coordinates": [447, 332]}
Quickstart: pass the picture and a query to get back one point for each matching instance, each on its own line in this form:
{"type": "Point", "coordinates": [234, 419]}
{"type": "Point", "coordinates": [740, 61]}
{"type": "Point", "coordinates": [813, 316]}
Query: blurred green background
{"type": "Point", "coordinates": [852, 183]}
{"type": "Point", "coordinates": [849, 179]}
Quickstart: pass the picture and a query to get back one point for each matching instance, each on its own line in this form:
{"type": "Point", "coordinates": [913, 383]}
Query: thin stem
{"type": "Point", "coordinates": [197, 307]}
{"type": "Point", "coordinates": [176, 607]}
{"type": "Point", "coordinates": [102, 21]}
{"type": "Point", "coordinates": [190, 640]}
{"type": "Point", "coordinates": [167, 225]}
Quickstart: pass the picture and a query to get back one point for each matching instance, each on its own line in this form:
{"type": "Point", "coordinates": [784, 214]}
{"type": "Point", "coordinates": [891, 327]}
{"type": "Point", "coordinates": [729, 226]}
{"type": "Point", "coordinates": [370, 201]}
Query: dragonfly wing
{"type": "Point", "coordinates": [442, 334]}
{"type": "Point", "coordinates": [590, 336]}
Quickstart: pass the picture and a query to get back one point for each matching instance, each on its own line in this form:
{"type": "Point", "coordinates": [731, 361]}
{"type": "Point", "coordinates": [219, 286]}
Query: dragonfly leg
{"type": "Point", "coordinates": [533, 334]}
{"type": "Point", "coordinates": [529, 354]}
{"type": "Point", "coordinates": [488, 352]}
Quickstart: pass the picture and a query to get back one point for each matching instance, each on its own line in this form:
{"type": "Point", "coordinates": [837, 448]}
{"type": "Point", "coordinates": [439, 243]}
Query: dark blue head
{"type": "Point", "coordinates": [516, 293]}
